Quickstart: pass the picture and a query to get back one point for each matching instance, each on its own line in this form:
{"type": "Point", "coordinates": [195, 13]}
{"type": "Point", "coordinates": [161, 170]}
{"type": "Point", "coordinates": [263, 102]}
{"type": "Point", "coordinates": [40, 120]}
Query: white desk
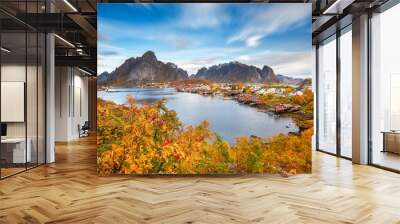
{"type": "Point", "coordinates": [19, 155]}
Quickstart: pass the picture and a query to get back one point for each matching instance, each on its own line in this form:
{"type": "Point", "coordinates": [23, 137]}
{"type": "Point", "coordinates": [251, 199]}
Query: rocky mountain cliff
{"type": "Point", "coordinates": [142, 69]}
{"type": "Point", "coordinates": [103, 77]}
{"type": "Point", "coordinates": [304, 84]}
{"type": "Point", "coordinates": [147, 69]}
{"type": "Point", "coordinates": [236, 72]}
{"type": "Point", "coordinates": [287, 79]}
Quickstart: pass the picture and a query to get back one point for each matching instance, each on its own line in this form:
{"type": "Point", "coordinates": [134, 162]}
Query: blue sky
{"type": "Point", "coordinates": [200, 35]}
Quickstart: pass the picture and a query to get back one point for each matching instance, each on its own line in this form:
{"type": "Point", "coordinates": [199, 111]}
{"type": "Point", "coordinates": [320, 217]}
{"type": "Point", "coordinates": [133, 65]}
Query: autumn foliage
{"type": "Point", "coordinates": [150, 139]}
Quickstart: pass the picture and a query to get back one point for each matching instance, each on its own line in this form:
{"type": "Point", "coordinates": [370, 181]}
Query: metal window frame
{"type": "Point", "coordinates": [387, 5]}
{"type": "Point", "coordinates": [339, 32]}
{"type": "Point", "coordinates": [381, 9]}
{"type": "Point", "coordinates": [44, 75]}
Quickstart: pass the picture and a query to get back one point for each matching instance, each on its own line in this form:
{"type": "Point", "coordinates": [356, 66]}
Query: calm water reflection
{"type": "Point", "coordinates": [226, 117]}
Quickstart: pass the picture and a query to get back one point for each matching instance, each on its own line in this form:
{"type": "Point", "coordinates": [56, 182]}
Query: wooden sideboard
{"type": "Point", "coordinates": [391, 141]}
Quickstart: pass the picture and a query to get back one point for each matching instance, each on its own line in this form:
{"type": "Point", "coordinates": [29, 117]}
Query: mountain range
{"type": "Point", "coordinates": [142, 70]}
{"type": "Point", "coordinates": [288, 80]}
{"type": "Point", "coordinates": [147, 68]}
{"type": "Point", "coordinates": [236, 72]}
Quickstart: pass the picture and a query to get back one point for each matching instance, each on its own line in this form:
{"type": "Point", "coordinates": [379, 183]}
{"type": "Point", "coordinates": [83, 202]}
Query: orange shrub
{"type": "Point", "coordinates": [151, 139]}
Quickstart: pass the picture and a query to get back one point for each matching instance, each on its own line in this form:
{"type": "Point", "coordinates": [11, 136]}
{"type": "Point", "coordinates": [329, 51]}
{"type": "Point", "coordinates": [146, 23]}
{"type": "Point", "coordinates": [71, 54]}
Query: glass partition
{"type": "Point", "coordinates": [346, 93]}
{"type": "Point", "coordinates": [32, 98]}
{"type": "Point", "coordinates": [22, 77]}
{"type": "Point", "coordinates": [327, 96]}
{"type": "Point", "coordinates": [13, 92]}
{"type": "Point", "coordinates": [385, 89]}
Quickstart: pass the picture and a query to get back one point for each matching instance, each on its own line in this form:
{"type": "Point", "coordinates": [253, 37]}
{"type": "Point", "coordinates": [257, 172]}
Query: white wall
{"type": "Point", "coordinates": [80, 110]}
{"type": "Point", "coordinates": [33, 127]}
{"type": "Point", "coordinates": [13, 101]}
{"type": "Point", "coordinates": [71, 102]}
{"type": "Point", "coordinates": [12, 73]}
{"type": "Point", "coordinates": [61, 103]}
{"type": "Point", "coordinates": [16, 73]}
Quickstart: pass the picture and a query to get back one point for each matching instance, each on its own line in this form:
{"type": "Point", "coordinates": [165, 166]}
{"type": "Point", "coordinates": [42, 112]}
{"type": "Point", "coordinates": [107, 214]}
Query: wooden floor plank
{"type": "Point", "coordinates": [70, 191]}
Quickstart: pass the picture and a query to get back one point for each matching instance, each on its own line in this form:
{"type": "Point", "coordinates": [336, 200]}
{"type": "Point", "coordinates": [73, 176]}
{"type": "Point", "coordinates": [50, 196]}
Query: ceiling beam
{"type": "Point", "coordinates": [49, 22]}
{"type": "Point", "coordinates": [337, 7]}
{"type": "Point", "coordinates": [77, 61]}
{"type": "Point", "coordinates": [84, 24]}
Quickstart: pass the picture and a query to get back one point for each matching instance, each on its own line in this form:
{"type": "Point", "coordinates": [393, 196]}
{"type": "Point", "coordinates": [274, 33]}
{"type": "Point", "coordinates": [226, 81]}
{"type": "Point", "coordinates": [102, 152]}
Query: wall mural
{"type": "Point", "coordinates": [204, 88]}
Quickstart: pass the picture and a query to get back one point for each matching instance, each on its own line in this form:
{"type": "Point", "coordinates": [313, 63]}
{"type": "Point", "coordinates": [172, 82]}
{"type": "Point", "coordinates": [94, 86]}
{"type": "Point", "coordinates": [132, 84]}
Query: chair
{"type": "Point", "coordinates": [84, 130]}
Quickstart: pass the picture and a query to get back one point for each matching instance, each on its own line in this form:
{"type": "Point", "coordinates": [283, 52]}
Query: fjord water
{"type": "Point", "coordinates": [226, 117]}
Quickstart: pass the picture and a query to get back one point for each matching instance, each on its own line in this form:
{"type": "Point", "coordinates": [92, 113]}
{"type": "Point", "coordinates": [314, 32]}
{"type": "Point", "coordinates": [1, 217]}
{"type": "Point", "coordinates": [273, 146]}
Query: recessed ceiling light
{"type": "Point", "coordinates": [70, 5]}
{"type": "Point", "coordinates": [86, 72]}
{"type": "Point", "coordinates": [5, 50]}
{"type": "Point", "coordinates": [337, 7]}
{"type": "Point", "coordinates": [64, 40]}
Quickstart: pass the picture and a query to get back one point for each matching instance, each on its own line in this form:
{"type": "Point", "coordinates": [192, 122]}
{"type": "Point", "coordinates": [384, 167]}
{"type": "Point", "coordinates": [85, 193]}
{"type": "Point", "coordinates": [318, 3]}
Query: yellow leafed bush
{"type": "Point", "coordinates": [151, 139]}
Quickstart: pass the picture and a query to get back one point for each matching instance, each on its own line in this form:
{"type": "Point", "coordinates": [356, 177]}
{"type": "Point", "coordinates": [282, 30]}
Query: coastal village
{"type": "Point", "coordinates": [294, 100]}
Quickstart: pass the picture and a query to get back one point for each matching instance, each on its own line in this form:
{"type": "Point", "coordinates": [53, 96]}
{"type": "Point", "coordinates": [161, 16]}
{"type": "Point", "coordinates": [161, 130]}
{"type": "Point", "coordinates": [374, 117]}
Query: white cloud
{"type": "Point", "coordinates": [192, 66]}
{"type": "Point", "coordinates": [191, 60]}
{"type": "Point", "coordinates": [297, 64]}
{"type": "Point", "coordinates": [160, 33]}
{"type": "Point", "coordinates": [253, 41]}
{"type": "Point", "coordinates": [124, 29]}
{"type": "Point", "coordinates": [204, 15]}
{"type": "Point", "coordinates": [188, 51]}
{"type": "Point", "coordinates": [296, 68]}
{"type": "Point", "coordinates": [182, 42]}
{"type": "Point", "coordinates": [148, 6]}
{"type": "Point", "coordinates": [109, 62]}
{"type": "Point", "coordinates": [244, 58]}
{"type": "Point", "coordinates": [263, 22]}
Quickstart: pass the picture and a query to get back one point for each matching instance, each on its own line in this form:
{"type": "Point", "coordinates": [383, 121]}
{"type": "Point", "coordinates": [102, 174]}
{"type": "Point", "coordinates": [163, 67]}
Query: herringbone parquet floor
{"type": "Point", "coordinates": [70, 191]}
